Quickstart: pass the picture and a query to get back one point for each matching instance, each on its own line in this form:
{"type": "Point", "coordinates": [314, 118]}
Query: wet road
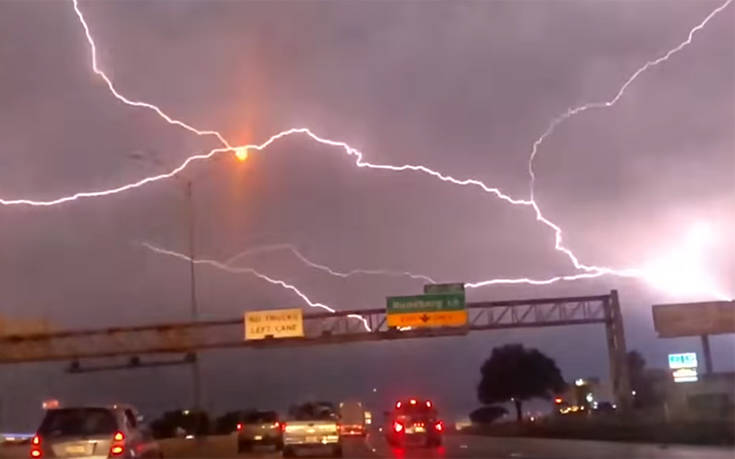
{"type": "Point", "coordinates": [456, 446]}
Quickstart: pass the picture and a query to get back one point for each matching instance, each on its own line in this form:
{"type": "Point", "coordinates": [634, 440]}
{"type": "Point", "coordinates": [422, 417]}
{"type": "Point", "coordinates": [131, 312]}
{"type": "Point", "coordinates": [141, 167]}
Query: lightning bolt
{"type": "Point", "coordinates": [291, 248]}
{"type": "Point", "coordinates": [423, 277]}
{"type": "Point", "coordinates": [582, 108]}
{"type": "Point", "coordinates": [241, 151]}
{"type": "Point", "coordinates": [558, 245]}
{"type": "Point", "coordinates": [135, 103]}
{"type": "Point", "coordinates": [240, 270]}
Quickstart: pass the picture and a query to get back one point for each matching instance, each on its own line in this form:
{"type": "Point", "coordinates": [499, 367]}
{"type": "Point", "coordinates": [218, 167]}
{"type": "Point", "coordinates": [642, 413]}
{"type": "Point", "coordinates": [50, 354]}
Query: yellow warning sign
{"type": "Point", "coordinates": [276, 323]}
{"type": "Point", "coordinates": [428, 319]}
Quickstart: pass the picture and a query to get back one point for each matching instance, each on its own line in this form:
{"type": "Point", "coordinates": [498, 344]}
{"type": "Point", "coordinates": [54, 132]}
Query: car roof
{"type": "Point", "coordinates": [115, 407]}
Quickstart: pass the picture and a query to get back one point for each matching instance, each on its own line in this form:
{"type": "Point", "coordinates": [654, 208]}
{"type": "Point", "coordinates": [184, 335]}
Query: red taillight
{"type": "Point", "coordinates": [428, 404]}
{"type": "Point", "coordinates": [118, 446]}
{"type": "Point", "coordinates": [283, 427]}
{"type": "Point", "coordinates": [240, 427]}
{"type": "Point", "coordinates": [398, 404]}
{"type": "Point", "coordinates": [36, 446]}
{"type": "Point", "coordinates": [439, 426]}
{"type": "Point", "coordinates": [558, 400]}
{"type": "Point", "coordinates": [397, 427]}
{"type": "Point", "coordinates": [412, 401]}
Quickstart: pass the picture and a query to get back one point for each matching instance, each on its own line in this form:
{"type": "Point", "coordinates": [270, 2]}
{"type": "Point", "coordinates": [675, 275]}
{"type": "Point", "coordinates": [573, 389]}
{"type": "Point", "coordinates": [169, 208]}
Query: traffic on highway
{"type": "Point", "coordinates": [412, 428]}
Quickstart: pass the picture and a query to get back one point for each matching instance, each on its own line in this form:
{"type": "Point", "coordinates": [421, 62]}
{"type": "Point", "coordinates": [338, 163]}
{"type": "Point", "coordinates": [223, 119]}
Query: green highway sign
{"type": "Point", "coordinates": [436, 310]}
{"type": "Point", "coordinates": [431, 289]}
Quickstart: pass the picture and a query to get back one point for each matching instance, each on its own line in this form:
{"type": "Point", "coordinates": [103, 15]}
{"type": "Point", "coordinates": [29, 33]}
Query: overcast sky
{"type": "Point", "coordinates": [462, 87]}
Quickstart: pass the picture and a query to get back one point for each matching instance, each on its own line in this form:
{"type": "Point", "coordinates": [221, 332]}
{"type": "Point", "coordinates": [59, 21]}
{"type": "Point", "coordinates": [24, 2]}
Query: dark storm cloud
{"type": "Point", "coordinates": [463, 87]}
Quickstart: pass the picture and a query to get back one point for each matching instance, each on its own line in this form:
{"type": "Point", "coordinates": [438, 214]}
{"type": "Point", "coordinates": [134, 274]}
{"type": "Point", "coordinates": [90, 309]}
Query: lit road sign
{"type": "Point", "coordinates": [685, 375]}
{"type": "Point", "coordinates": [445, 310]}
{"type": "Point", "coordinates": [276, 323]}
{"type": "Point", "coordinates": [685, 360]}
{"type": "Point", "coordinates": [684, 367]}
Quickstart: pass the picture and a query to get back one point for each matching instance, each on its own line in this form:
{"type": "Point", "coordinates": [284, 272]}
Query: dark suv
{"type": "Point", "coordinates": [414, 422]}
{"type": "Point", "coordinates": [259, 428]}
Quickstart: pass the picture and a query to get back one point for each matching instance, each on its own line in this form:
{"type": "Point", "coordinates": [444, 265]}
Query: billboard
{"type": "Point", "coordinates": [693, 319]}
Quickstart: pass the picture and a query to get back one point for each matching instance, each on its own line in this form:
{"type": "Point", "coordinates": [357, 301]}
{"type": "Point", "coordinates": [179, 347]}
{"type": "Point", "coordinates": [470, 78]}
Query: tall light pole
{"type": "Point", "coordinates": [195, 370]}
{"type": "Point", "coordinates": [241, 155]}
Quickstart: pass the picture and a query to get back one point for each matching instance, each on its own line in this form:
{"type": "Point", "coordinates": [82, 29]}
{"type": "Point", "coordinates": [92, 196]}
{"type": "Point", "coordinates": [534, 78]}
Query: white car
{"type": "Point", "coordinates": [312, 426]}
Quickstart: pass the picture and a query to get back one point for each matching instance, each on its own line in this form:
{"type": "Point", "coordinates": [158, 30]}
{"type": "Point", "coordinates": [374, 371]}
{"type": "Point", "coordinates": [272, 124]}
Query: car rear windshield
{"type": "Point", "coordinates": [311, 412]}
{"type": "Point", "coordinates": [260, 416]}
{"type": "Point", "coordinates": [78, 422]}
{"type": "Point", "coordinates": [416, 411]}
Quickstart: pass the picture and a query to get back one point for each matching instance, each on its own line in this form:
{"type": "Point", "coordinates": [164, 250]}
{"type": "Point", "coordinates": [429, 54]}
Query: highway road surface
{"type": "Point", "coordinates": [456, 446]}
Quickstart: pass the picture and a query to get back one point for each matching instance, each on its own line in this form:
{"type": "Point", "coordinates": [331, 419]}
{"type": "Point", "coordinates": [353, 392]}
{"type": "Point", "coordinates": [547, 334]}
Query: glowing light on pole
{"type": "Point", "coordinates": [241, 154]}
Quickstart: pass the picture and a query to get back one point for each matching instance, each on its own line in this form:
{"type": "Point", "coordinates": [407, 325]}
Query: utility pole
{"type": "Point", "coordinates": [195, 371]}
{"type": "Point", "coordinates": [709, 369]}
{"type": "Point", "coordinates": [617, 352]}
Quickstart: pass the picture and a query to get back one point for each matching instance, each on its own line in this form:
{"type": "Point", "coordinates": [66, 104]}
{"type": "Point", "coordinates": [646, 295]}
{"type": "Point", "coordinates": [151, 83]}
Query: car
{"type": "Point", "coordinates": [259, 428]}
{"type": "Point", "coordinates": [93, 432]}
{"type": "Point", "coordinates": [414, 422]}
{"type": "Point", "coordinates": [312, 426]}
{"type": "Point", "coordinates": [352, 418]}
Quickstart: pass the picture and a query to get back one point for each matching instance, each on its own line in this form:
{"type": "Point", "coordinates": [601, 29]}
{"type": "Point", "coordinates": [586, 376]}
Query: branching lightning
{"type": "Point", "coordinates": [386, 272]}
{"type": "Point", "coordinates": [253, 272]}
{"type": "Point", "coordinates": [135, 103]}
{"type": "Point", "coordinates": [243, 150]}
{"type": "Point", "coordinates": [354, 272]}
{"type": "Point", "coordinates": [582, 108]}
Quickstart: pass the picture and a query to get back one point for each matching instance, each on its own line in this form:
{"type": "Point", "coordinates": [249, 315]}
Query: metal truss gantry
{"type": "Point", "coordinates": [324, 328]}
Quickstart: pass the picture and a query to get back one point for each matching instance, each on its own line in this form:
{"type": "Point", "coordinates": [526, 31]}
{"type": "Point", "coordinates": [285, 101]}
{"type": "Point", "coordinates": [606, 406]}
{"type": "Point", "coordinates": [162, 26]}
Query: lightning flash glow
{"type": "Point", "coordinates": [242, 152]}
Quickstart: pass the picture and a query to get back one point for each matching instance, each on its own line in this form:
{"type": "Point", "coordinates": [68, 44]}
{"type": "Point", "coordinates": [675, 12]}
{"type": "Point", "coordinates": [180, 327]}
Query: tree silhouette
{"type": "Point", "coordinates": [516, 374]}
{"type": "Point", "coordinates": [643, 381]}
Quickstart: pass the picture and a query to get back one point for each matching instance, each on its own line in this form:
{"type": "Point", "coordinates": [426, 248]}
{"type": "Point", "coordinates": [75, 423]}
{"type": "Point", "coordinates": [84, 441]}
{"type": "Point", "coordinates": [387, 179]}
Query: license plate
{"type": "Point", "coordinates": [76, 449]}
{"type": "Point", "coordinates": [258, 437]}
{"type": "Point", "coordinates": [312, 439]}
